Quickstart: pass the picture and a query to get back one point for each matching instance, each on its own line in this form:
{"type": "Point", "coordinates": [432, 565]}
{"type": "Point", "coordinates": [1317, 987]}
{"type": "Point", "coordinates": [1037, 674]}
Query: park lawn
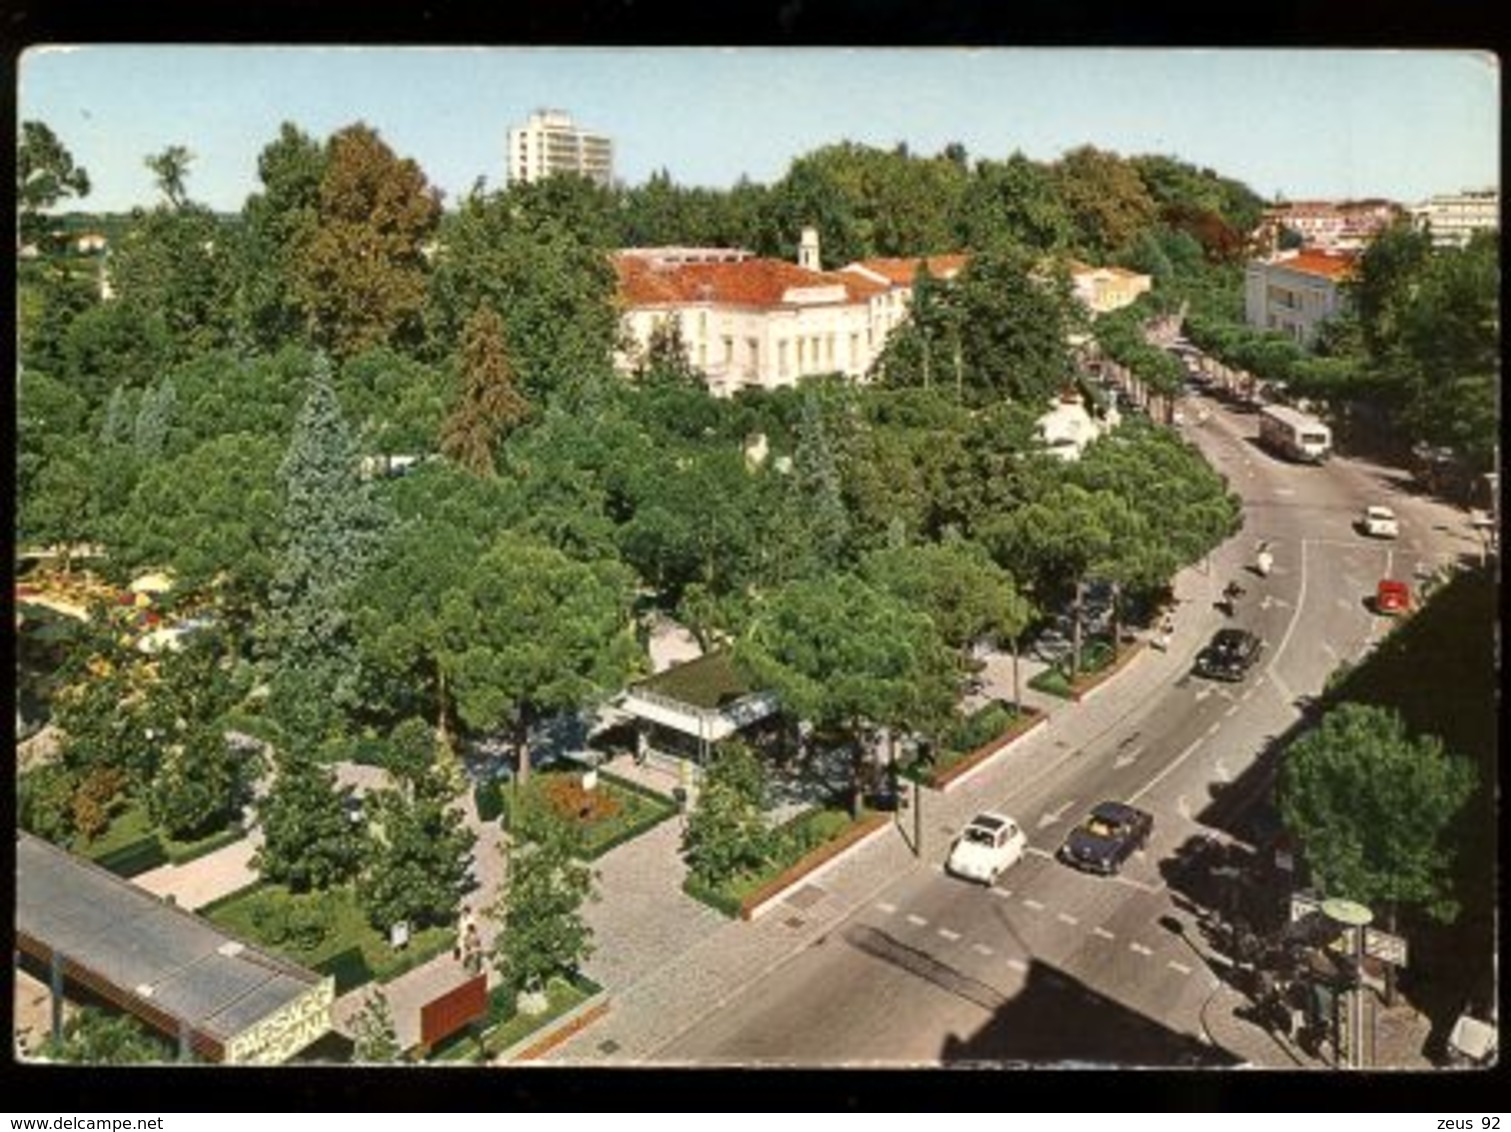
{"type": "Point", "coordinates": [132, 844]}
{"type": "Point", "coordinates": [330, 934]}
{"type": "Point", "coordinates": [607, 816]}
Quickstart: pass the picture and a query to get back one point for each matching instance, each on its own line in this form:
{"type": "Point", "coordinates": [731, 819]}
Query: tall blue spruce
{"type": "Point", "coordinates": [331, 525]}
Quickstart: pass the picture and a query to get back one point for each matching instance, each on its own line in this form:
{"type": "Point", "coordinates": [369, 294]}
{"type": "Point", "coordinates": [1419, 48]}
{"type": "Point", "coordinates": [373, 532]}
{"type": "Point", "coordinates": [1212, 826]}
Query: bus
{"type": "Point", "coordinates": [1294, 435]}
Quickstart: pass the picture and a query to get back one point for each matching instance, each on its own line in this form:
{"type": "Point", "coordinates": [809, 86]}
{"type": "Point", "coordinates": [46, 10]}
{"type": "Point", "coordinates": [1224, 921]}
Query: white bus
{"type": "Point", "coordinates": [1294, 435]}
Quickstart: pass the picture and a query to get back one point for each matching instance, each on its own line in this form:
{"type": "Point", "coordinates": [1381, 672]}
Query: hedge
{"type": "Point", "coordinates": [180, 852]}
{"type": "Point", "coordinates": [134, 858]}
{"type": "Point", "coordinates": [716, 899]}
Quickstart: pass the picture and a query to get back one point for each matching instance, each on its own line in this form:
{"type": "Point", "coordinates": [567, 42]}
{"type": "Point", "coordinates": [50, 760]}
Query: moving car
{"type": "Point", "coordinates": [1392, 597]}
{"type": "Point", "coordinates": [1229, 656]}
{"type": "Point", "coordinates": [1379, 522]}
{"type": "Point", "coordinates": [990, 843]}
{"type": "Point", "coordinates": [1107, 838]}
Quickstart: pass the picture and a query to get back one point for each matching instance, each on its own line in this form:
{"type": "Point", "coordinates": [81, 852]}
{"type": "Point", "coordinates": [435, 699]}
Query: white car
{"type": "Point", "coordinates": [990, 843]}
{"type": "Point", "coordinates": [1379, 522]}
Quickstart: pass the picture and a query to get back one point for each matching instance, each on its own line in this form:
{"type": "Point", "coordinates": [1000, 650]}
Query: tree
{"type": "Point", "coordinates": [490, 406]}
{"type": "Point", "coordinates": [726, 832]}
{"type": "Point", "coordinates": [542, 931]}
{"type": "Point", "coordinates": [360, 269]}
{"type": "Point", "coordinates": [330, 527]}
{"type": "Point", "coordinates": [94, 1036]}
{"type": "Point", "coordinates": [1014, 201]}
{"type": "Point", "coordinates": [817, 487]}
{"type": "Point", "coordinates": [376, 1040]}
{"type": "Point", "coordinates": [309, 841]}
{"type": "Point", "coordinates": [842, 655]}
{"type": "Point", "coordinates": [1373, 807]}
{"type": "Point", "coordinates": [170, 170]}
{"type": "Point", "coordinates": [45, 174]}
{"type": "Point", "coordinates": [201, 784]}
{"type": "Point", "coordinates": [1106, 199]}
{"type": "Point", "coordinates": [417, 866]}
{"type": "Point", "coordinates": [291, 169]}
{"type": "Point", "coordinates": [533, 633]}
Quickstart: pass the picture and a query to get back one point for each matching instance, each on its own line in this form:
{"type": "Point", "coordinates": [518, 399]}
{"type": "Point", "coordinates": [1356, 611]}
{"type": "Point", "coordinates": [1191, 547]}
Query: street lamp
{"type": "Point", "coordinates": [1353, 918]}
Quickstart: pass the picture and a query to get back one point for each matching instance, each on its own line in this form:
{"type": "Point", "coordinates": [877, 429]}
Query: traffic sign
{"type": "Point", "coordinates": [1385, 947]}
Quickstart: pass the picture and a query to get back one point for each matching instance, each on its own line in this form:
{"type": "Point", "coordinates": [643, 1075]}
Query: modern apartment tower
{"type": "Point", "coordinates": [550, 143]}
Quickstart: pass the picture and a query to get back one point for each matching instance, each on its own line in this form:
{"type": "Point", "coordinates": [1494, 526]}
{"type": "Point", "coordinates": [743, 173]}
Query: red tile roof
{"type": "Point", "coordinates": [749, 283]}
{"type": "Point", "coordinates": [900, 270]}
{"type": "Point", "coordinates": [1318, 263]}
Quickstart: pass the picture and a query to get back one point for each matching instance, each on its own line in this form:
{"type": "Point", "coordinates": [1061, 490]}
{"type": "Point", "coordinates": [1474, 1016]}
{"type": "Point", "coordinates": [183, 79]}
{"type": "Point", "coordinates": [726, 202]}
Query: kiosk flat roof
{"type": "Point", "coordinates": [145, 948]}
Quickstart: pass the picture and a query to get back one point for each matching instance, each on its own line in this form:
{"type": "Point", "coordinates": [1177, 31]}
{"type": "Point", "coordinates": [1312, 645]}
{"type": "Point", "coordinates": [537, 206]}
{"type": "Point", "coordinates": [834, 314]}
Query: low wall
{"type": "Point", "coordinates": [978, 759]}
{"type": "Point", "coordinates": [808, 867]}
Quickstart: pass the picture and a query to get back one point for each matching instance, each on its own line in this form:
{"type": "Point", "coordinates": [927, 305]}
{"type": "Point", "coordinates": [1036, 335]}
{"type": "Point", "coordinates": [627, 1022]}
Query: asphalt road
{"type": "Point", "coordinates": [1051, 965]}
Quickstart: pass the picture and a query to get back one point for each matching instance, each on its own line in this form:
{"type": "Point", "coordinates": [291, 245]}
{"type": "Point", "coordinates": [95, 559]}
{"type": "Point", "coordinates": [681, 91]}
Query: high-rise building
{"type": "Point", "coordinates": [550, 143]}
{"type": "Point", "coordinates": [1454, 217]}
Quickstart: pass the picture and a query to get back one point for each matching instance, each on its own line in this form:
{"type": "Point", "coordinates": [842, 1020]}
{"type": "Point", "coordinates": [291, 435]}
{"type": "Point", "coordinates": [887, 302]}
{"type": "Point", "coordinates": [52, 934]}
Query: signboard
{"type": "Point", "coordinates": [279, 1036]}
{"type": "Point", "coordinates": [398, 935]}
{"type": "Point", "coordinates": [441, 1017]}
{"type": "Point", "coordinates": [1385, 947]}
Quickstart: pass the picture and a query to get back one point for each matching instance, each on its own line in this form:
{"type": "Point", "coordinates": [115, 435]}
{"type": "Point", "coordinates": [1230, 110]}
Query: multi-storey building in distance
{"type": "Point", "coordinates": [551, 143]}
{"type": "Point", "coordinates": [1454, 217]}
{"type": "Point", "coordinates": [1295, 292]}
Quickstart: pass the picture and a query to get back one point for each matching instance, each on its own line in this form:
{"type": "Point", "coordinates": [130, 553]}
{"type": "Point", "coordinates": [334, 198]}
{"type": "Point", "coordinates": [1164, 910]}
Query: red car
{"type": "Point", "coordinates": [1392, 597]}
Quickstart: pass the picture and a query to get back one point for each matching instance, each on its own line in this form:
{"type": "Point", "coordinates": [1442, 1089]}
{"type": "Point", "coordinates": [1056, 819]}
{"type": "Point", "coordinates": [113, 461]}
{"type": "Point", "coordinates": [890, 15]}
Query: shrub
{"type": "Point", "coordinates": [489, 798]}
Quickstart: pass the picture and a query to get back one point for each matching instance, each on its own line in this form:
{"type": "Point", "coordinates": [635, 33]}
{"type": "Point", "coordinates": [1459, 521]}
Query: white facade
{"type": "Point", "coordinates": [1454, 217]}
{"type": "Point", "coordinates": [1069, 427]}
{"type": "Point", "coordinates": [1295, 293]}
{"type": "Point", "coordinates": [551, 143]}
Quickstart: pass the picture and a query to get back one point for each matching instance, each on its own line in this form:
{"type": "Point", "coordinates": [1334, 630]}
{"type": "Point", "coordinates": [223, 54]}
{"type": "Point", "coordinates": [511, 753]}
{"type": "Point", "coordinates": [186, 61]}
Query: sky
{"type": "Point", "coordinates": [1302, 123]}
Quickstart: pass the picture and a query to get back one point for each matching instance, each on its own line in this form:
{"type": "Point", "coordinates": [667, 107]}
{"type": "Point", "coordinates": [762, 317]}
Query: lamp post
{"type": "Point", "coordinates": [1353, 918]}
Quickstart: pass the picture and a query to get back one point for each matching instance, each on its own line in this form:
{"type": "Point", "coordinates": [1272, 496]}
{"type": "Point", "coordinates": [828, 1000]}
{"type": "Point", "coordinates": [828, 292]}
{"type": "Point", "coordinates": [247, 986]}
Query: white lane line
{"type": "Point", "coordinates": [887, 908]}
{"type": "Point", "coordinates": [1102, 932]}
{"type": "Point", "coordinates": [1343, 603]}
{"type": "Point", "coordinates": [945, 933]}
{"type": "Point", "coordinates": [1231, 711]}
{"type": "Point", "coordinates": [1140, 949]}
{"type": "Point", "coordinates": [1066, 918]}
{"type": "Point", "coordinates": [1162, 775]}
{"type": "Point", "coordinates": [1037, 852]}
{"type": "Point", "coordinates": [916, 921]}
{"type": "Point", "coordinates": [1034, 904]}
{"type": "Point", "coordinates": [1332, 652]}
{"type": "Point", "coordinates": [1002, 893]}
{"type": "Point", "coordinates": [981, 949]}
{"type": "Point", "coordinates": [1214, 729]}
{"type": "Point", "coordinates": [1247, 694]}
{"type": "Point", "coordinates": [1017, 965]}
{"type": "Point", "coordinates": [1295, 617]}
{"type": "Point", "coordinates": [1181, 967]}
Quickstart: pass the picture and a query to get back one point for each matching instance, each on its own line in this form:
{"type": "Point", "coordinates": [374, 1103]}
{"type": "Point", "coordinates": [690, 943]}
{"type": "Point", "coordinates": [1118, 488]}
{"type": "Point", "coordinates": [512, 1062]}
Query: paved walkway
{"type": "Point", "coordinates": [198, 882]}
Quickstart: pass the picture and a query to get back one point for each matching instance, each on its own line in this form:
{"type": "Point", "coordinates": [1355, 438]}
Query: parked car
{"type": "Point", "coordinates": [1107, 838]}
{"type": "Point", "coordinates": [1392, 597]}
{"type": "Point", "coordinates": [1379, 522]}
{"type": "Point", "coordinates": [1229, 656]}
{"type": "Point", "coordinates": [990, 843]}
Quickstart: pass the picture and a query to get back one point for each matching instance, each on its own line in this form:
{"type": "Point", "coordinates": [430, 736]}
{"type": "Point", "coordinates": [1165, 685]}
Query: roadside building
{"type": "Point", "coordinates": [1295, 292]}
{"type": "Point", "coordinates": [1104, 289]}
{"type": "Point", "coordinates": [1454, 217]}
{"type": "Point", "coordinates": [680, 713]}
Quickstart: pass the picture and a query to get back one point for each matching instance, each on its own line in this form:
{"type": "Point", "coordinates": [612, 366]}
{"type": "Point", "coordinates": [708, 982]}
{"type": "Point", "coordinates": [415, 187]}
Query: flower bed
{"type": "Point", "coordinates": [1097, 666]}
{"type": "Point", "coordinates": [608, 815]}
{"type": "Point", "coordinates": [953, 764]}
{"type": "Point", "coordinates": [807, 842]}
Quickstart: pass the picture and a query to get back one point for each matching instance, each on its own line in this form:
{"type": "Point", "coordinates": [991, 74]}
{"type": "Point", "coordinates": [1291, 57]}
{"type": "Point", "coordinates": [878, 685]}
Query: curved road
{"type": "Point", "coordinates": [1054, 965]}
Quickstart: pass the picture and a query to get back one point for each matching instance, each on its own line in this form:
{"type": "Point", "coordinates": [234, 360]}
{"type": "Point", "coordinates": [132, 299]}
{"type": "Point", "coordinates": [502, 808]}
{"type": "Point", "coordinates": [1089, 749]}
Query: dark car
{"type": "Point", "coordinates": [1230, 655]}
{"type": "Point", "coordinates": [1107, 838]}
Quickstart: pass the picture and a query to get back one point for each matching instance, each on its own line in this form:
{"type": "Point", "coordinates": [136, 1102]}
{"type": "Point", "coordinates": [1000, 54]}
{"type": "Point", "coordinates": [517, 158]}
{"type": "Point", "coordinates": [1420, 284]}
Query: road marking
{"type": "Point", "coordinates": [1017, 965]}
{"type": "Point", "coordinates": [887, 908]}
{"type": "Point", "coordinates": [1231, 711]}
{"type": "Point", "coordinates": [1034, 904]}
{"type": "Point", "coordinates": [916, 921]}
{"type": "Point", "coordinates": [1183, 807]}
{"type": "Point", "coordinates": [1295, 617]}
{"type": "Point", "coordinates": [1332, 652]}
{"type": "Point", "coordinates": [1066, 918]}
{"type": "Point", "coordinates": [1285, 491]}
{"type": "Point", "coordinates": [1141, 949]}
{"type": "Point", "coordinates": [1162, 775]}
{"type": "Point", "coordinates": [1214, 729]}
{"type": "Point", "coordinates": [1249, 692]}
{"type": "Point", "coordinates": [1103, 932]}
{"type": "Point", "coordinates": [1220, 769]}
{"type": "Point", "coordinates": [1203, 692]}
{"type": "Point", "coordinates": [981, 949]}
{"type": "Point", "coordinates": [1049, 817]}
{"type": "Point", "coordinates": [1129, 759]}
{"type": "Point", "coordinates": [1181, 967]}
{"type": "Point", "coordinates": [945, 933]}
{"type": "Point", "coordinates": [1343, 603]}
{"type": "Point", "coordinates": [1004, 893]}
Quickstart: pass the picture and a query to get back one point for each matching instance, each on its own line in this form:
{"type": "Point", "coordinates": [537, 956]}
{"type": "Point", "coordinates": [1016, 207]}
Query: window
{"type": "Point", "coordinates": [702, 324]}
{"type": "Point", "coordinates": [829, 350]}
{"type": "Point", "coordinates": [854, 350]}
{"type": "Point", "coordinates": [781, 357]}
{"type": "Point", "coordinates": [729, 350]}
{"type": "Point", "coordinates": [802, 351]}
{"type": "Point", "coordinates": [755, 354]}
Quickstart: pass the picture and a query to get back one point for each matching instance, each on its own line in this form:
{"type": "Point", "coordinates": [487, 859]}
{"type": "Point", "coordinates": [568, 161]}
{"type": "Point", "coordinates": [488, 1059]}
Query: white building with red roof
{"type": "Point", "coordinates": [750, 322]}
{"type": "Point", "coordinates": [1295, 292]}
